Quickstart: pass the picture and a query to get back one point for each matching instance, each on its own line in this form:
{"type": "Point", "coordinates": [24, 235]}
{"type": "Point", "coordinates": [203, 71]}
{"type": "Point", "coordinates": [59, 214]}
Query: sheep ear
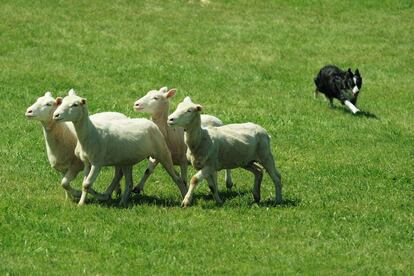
{"type": "Point", "coordinates": [72, 92]}
{"type": "Point", "coordinates": [48, 94]}
{"type": "Point", "coordinates": [187, 100]}
{"type": "Point", "coordinates": [170, 93]}
{"type": "Point", "coordinates": [164, 89]}
{"type": "Point", "coordinates": [199, 107]}
{"type": "Point", "coordinates": [83, 101]}
{"type": "Point", "coordinates": [58, 101]}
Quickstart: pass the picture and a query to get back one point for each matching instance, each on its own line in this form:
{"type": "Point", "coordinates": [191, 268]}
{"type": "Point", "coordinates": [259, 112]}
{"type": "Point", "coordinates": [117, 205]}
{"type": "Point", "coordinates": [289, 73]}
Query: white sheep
{"type": "Point", "coordinates": [226, 147]}
{"type": "Point", "coordinates": [61, 140]}
{"type": "Point", "coordinates": [108, 143]}
{"type": "Point", "coordinates": [157, 103]}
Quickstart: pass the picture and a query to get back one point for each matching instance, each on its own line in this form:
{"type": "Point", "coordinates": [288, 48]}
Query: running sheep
{"type": "Point", "coordinates": [227, 147]}
{"type": "Point", "coordinates": [106, 143]}
{"type": "Point", "coordinates": [60, 140]}
{"type": "Point", "coordinates": [157, 104]}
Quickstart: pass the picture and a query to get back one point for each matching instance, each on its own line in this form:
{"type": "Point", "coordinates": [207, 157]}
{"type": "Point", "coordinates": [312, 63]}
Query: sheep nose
{"type": "Point", "coordinates": [170, 120]}
{"type": "Point", "coordinates": [55, 116]}
{"type": "Point", "coordinates": [136, 104]}
{"type": "Point", "coordinates": [29, 111]}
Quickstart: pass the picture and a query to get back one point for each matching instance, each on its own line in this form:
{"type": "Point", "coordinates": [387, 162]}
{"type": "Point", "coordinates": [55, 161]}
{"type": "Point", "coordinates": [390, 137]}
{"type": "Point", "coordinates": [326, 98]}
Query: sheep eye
{"type": "Point", "coordinates": [155, 98]}
{"type": "Point", "coordinates": [189, 110]}
{"type": "Point", "coordinates": [48, 104]}
{"type": "Point", "coordinates": [75, 104]}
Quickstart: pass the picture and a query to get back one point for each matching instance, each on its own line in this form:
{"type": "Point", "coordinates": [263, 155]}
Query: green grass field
{"type": "Point", "coordinates": [348, 180]}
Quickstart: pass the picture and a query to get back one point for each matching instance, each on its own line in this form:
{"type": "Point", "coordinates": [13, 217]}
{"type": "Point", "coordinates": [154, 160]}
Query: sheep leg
{"type": "Point", "coordinates": [67, 178]}
{"type": "Point", "coordinates": [173, 174]}
{"type": "Point", "coordinates": [331, 105]}
{"type": "Point", "coordinates": [269, 165]}
{"type": "Point", "coordinates": [229, 181]}
{"type": "Point", "coordinates": [197, 178]}
{"type": "Point", "coordinates": [212, 184]}
{"type": "Point", "coordinates": [88, 182]}
{"type": "Point", "coordinates": [127, 170]}
{"type": "Point", "coordinates": [183, 172]}
{"type": "Point", "coordinates": [258, 176]}
{"type": "Point", "coordinates": [114, 184]}
{"type": "Point", "coordinates": [86, 170]}
{"type": "Point", "coordinates": [152, 163]}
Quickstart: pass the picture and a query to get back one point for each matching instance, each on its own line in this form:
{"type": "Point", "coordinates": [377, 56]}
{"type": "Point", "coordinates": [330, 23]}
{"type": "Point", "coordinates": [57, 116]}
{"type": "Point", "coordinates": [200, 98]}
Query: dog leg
{"type": "Point", "coordinates": [331, 105]}
{"type": "Point", "coordinates": [351, 107]}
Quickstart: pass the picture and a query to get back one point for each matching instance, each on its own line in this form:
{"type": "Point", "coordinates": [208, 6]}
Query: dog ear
{"type": "Point", "coordinates": [357, 72]}
{"type": "Point", "coordinates": [350, 72]}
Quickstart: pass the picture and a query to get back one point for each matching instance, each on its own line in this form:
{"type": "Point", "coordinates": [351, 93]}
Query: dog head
{"type": "Point", "coordinates": [353, 81]}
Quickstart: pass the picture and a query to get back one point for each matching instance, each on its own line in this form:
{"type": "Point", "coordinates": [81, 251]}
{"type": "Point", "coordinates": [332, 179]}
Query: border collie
{"type": "Point", "coordinates": [338, 84]}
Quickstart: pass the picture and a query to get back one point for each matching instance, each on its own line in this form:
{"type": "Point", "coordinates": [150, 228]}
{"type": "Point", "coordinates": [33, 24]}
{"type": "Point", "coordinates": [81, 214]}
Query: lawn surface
{"type": "Point", "coordinates": [348, 180]}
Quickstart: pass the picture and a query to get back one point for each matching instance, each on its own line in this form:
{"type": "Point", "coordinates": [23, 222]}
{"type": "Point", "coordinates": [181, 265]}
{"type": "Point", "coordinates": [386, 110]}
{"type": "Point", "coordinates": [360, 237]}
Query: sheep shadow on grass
{"type": "Point", "coordinates": [286, 203]}
{"type": "Point", "coordinates": [244, 198]}
{"type": "Point", "coordinates": [231, 199]}
{"type": "Point", "coordinates": [141, 199]}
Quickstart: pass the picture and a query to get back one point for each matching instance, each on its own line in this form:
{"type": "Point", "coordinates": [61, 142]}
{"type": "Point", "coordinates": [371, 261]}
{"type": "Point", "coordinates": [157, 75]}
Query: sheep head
{"type": "Point", "coordinates": [42, 109]}
{"type": "Point", "coordinates": [70, 108]}
{"type": "Point", "coordinates": [185, 114]}
{"type": "Point", "coordinates": [155, 101]}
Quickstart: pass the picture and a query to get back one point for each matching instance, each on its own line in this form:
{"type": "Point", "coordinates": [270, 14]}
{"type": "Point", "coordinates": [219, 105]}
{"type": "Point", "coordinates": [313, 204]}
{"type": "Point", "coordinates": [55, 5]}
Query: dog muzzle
{"type": "Point", "coordinates": [355, 90]}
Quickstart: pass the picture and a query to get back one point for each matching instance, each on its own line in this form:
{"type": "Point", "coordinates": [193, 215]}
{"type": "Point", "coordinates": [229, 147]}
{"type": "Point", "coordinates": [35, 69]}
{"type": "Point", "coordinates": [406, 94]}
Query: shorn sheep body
{"type": "Point", "coordinates": [60, 140]}
{"type": "Point", "coordinates": [230, 146]}
{"type": "Point", "coordinates": [157, 104]}
{"type": "Point", "coordinates": [107, 143]}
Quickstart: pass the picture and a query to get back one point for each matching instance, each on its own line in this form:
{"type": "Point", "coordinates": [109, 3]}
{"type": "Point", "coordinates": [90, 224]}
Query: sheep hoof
{"type": "Point", "coordinates": [185, 203]}
{"type": "Point", "coordinates": [118, 191]}
{"type": "Point", "coordinates": [105, 197]}
{"type": "Point", "coordinates": [229, 185]}
{"type": "Point", "coordinates": [136, 190]}
{"type": "Point", "coordinates": [123, 203]}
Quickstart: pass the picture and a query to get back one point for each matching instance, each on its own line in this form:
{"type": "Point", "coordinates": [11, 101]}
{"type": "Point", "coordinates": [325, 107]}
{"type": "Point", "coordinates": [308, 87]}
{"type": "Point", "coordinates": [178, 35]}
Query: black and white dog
{"type": "Point", "coordinates": [338, 84]}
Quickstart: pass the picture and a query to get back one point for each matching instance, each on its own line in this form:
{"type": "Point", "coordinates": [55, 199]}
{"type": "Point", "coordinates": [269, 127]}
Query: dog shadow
{"type": "Point", "coordinates": [361, 113]}
{"type": "Point", "coordinates": [367, 114]}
